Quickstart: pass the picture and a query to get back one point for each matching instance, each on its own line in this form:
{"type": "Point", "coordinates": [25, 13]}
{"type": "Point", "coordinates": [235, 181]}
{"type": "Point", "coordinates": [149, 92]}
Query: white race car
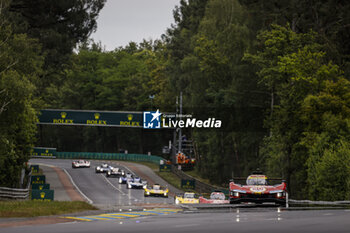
{"type": "Point", "coordinates": [115, 172]}
{"type": "Point", "coordinates": [136, 183]}
{"type": "Point", "coordinates": [124, 178]}
{"type": "Point", "coordinates": [103, 168]}
{"type": "Point", "coordinates": [80, 163]}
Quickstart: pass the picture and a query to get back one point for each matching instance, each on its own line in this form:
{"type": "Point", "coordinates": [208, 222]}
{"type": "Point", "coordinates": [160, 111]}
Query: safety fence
{"type": "Point", "coordinates": [319, 202]}
{"type": "Point", "coordinates": [109, 156]}
{"type": "Point", "coordinates": [14, 193]}
{"type": "Point", "coordinates": [17, 193]}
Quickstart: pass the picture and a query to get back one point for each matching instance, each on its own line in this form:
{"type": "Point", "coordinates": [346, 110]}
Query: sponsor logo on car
{"type": "Point", "coordinates": [257, 189]}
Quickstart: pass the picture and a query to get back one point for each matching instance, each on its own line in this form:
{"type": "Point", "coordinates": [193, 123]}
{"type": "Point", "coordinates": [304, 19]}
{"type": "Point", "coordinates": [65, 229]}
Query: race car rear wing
{"type": "Point", "coordinates": [271, 181]}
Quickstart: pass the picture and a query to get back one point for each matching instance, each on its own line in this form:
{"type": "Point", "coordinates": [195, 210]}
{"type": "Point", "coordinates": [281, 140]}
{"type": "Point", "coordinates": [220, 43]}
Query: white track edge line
{"type": "Point", "coordinates": [112, 184]}
{"type": "Point", "coordinates": [71, 180]}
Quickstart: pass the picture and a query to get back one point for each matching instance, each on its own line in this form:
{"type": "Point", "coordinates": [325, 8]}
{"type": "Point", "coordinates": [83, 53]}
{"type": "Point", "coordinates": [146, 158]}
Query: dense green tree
{"type": "Point", "coordinates": [326, 137]}
{"type": "Point", "coordinates": [330, 180]}
{"type": "Point", "coordinates": [59, 26]}
{"type": "Point", "coordinates": [330, 19]}
{"type": "Point", "coordinates": [179, 40]}
{"type": "Point", "coordinates": [20, 67]}
{"type": "Point", "coordinates": [279, 90]}
{"type": "Point", "coordinates": [295, 68]}
{"type": "Point", "coordinates": [231, 91]}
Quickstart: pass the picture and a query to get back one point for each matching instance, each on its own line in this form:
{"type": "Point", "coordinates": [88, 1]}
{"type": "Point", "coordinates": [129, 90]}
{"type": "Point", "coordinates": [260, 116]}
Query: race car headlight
{"type": "Point", "coordinates": [279, 194]}
{"type": "Point", "coordinates": [148, 193]}
{"type": "Point", "coordinates": [236, 194]}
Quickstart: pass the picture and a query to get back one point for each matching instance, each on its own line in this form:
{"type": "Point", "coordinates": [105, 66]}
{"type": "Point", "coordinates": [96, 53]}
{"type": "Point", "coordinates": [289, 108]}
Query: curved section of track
{"type": "Point", "coordinates": [102, 191]}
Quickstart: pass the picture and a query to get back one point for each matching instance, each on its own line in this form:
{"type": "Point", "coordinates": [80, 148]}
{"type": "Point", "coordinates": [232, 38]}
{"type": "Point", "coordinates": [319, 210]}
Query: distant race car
{"type": "Point", "coordinates": [136, 183]}
{"type": "Point", "coordinates": [123, 179]}
{"type": "Point", "coordinates": [80, 163]}
{"type": "Point", "coordinates": [216, 197]}
{"type": "Point", "coordinates": [103, 168]}
{"type": "Point", "coordinates": [115, 172]}
{"type": "Point", "coordinates": [156, 190]}
{"type": "Point", "coordinates": [186, 198]}
{"type": "Point", "coordinates": [257, 190]}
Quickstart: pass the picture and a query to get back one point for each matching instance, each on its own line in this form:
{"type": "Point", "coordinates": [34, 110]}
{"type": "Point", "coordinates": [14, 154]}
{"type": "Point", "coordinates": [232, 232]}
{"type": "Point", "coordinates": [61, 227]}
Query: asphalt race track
{"type": "Point", "coordinates": [239, 220]}
{"type": "Point", "coordinates": [102, 191]}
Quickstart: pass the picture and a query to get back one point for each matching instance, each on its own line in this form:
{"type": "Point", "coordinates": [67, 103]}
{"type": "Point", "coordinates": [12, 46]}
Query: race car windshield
{"type": "Point", "coordinates": [189, 195]}
{"type": "Point", "coordinates": [156, 187]}
{"type": "Point", "coordinates": [217, 196]}
{"type": "Point", "coordinates": [256, 181]}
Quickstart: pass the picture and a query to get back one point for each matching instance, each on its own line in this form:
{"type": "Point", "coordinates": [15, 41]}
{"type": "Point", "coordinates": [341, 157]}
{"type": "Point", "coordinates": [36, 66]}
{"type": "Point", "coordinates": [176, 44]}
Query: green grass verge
{"type": "Point", "coordinates": [153, 166]}
{"type": "Point", "coordinates": [169, 177]}
{"type": "Point", "coordinates": [195, 174]}
{"type": "Point", "coordinates": [10, 209]}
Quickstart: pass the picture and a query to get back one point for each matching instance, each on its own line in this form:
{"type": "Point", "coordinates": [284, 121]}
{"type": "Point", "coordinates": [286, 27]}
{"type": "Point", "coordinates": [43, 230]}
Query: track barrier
{"type": "Point", "coordinates": [109, 156]}
{"type": "Point", "coordinates": [14, 193]}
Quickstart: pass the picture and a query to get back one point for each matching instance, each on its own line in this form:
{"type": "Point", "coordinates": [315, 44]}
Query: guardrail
{"type": "Point", "coordinates": [319, 202]}
{"type": "Point", "coordinates": [109, 156]}
{"type": "Point", "coordinates": [14, 193]}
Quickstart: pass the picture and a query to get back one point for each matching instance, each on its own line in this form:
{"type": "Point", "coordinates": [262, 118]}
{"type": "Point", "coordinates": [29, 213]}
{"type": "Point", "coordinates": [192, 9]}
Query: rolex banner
{"type": "Point", "coordinates": [43, 152]}
{"type": "Point", "coordinates": [47, 195]}
{"type": "Point", "coordinates": [90, 118]}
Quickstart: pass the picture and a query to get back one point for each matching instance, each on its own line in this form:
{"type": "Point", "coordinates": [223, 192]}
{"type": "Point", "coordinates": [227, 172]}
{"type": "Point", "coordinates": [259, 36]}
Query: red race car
{"type": "Point", "coordinates": [258, 190]}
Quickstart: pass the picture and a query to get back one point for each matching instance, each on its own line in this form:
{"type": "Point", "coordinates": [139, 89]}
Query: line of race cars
{"type": "Point", "coordinates": [256, 190]}
{"type": "Point", "coordinates": [131, 181]}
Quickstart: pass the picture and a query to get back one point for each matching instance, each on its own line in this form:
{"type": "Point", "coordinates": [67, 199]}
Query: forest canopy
{"type": "Point", "coordinates": [275, 72]}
